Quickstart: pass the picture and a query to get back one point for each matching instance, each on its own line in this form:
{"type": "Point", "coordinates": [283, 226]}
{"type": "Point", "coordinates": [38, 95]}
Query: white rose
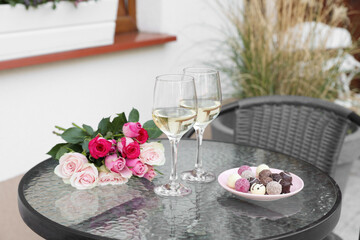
{"type": "Point", "coordinates": [69, 163]}
{"type": "Point", "coordinates": [86, 178]}
{"type": "Point", "coordinates": [152, 153]}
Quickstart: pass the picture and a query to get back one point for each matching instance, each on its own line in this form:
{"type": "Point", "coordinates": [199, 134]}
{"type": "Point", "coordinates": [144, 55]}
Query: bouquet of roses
{"type": "Point", "coordinates": [116, 151]}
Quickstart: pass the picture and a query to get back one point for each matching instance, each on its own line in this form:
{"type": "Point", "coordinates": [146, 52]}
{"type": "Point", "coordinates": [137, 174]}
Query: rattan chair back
{"type": "Point", "coordinates": [305, 128]}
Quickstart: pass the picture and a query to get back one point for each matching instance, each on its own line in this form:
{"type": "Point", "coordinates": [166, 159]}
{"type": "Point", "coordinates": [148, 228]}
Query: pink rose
{"type": "Point", "coordinates": [152, 153]}
{"type": "Point", "coordinates": [106, 178]}
{"type": "Point", "coordinates": [115, 163]}
{"type": "Point", "coordinates": [99, 147]}
{"type": "Point", "coordinates": [131, 129]}
{"type": "Point", "coordinates": [143, 136]}
{"type": "Point", "coordinates": [128, 148]}
{"type": "Point", "coordinates": [150, 174]}
{"type": "Point", "coordinates": [113, 146]}
{"type": "Point", "coordinates": [69, 163]}
{"type": "Point", "coordinates": [86, 178]}
{"type": "Point", "coordinates": [137, 167]}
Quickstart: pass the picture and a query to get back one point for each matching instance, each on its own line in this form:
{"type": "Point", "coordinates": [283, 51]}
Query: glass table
{"type": "Point", "coordinates": [55, 210]}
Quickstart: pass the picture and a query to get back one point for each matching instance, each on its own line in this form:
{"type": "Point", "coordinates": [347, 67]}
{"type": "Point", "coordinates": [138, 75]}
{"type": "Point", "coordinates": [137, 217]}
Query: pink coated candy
{"type": "Point", "coordinates": [243, 168]}
{"type": "Point", "coordinates": [242, 185]}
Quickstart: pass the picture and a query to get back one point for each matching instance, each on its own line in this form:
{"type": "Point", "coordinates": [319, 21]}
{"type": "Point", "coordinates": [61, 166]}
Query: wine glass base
{"type": "Point", "coordinates": [198, 176]}
{"type": "Point", "coordinates": [172, 190]}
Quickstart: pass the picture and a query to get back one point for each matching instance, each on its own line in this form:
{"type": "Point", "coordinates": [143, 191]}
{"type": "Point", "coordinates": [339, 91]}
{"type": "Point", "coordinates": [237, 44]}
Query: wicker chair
{"type": "Point", "coordinates": [306, 128]}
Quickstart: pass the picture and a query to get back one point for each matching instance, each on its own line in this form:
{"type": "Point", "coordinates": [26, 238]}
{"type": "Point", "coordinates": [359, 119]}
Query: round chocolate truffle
{"type": "Point", "coordinates": [276, 177]}
{"type": "Point", "coordinates": [286, 176]}
{"type": "Point", "coordinates": [264, 174]}
{"type": "Point", "coordinates": [253, 180]}
{"type": "Point", "coordinates": [243, 168]}
{"type": "Point", "coordinates": [258, 189]}
{"type": "Point", "coordinates": [285, 186]}
{"type": "Point", "coordinates": [247, 174]}
{"type": "Point", "coordinates": [260, 168]}
{"type": "Point", "coordinates": [242, 185]}
{"type": "Point", "coordinates": [232, 179]}
{"type": "Point", "coordinates": [273, 188]}
{"type": "Point", "coordinates": [266, 180]}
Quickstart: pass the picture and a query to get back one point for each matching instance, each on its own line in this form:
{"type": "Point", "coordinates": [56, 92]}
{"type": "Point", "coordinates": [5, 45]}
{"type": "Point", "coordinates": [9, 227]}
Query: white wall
{"type": "Point", "coordinates": [34, 99]}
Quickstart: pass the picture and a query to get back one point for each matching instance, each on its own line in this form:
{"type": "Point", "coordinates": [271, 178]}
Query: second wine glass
{"type": "Point", "coordinates": [208, 90]}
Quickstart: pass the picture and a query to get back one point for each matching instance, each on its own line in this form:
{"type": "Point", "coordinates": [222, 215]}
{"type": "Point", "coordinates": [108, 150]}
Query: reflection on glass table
{"type": "Point", "coordinates": [133, 211]}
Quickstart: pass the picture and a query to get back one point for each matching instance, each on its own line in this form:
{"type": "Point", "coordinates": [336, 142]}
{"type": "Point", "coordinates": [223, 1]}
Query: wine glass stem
{"type": "Point", "coordinates": [199, 136]}
{"type": "Point", "coordinates": [174, 151]}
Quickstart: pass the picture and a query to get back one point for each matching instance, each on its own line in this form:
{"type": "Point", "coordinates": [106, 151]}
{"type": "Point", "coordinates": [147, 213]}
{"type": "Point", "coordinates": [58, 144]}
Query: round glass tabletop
{"type": "Point", "coordinates": [134, 211]}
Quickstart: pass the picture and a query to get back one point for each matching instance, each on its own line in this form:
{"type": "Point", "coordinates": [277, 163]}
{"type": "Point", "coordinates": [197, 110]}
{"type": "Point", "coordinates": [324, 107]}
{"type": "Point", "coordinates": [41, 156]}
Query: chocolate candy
{"type": "Point", "coordinates": [273, 188]}
{"type": "Point", "coordinates": [242, 185]}
{"type": "Point", "coordinates": [258, 189]}
{"type": "Point", "coordinates": [253, 180]}
{"type": "Point", "coordinates": [247, 174]}
{"type": "Point", "coordinates": [232, 179]}
{"type": "Point", "coordinates": [243, 168]}
{"type": "Point", "coordinates": [285, 186]}
{"type": "Point", "coordinates": [276, 177]}
{"type": "Point", "coordinates": [286, 176]}
{"type": "Point", "coordinates": [260, 168]}
{"type": "Point", "coordinates": [266, 180]}
{"type": "Point", "coordinates": [265, 173]}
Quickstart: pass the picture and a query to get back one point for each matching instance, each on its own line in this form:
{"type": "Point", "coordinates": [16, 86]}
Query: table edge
{"type": "Point", "coordinates": [322, 229]}
{"type": "Point", "coordinates": [29, 214]}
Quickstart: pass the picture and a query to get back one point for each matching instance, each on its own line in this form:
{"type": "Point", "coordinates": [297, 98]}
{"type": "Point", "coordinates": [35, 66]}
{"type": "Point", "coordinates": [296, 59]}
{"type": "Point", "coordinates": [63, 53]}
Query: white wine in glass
{"type": "Point", "coordinates": [208, 90]}
{"type": "Point", "coordinates": [174, 120]}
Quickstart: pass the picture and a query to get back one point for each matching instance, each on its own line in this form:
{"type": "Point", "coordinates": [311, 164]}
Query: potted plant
{"type": "Point", "coordinates": [285, 48]}
{"type": "Point", "coordinates": [53, 26]}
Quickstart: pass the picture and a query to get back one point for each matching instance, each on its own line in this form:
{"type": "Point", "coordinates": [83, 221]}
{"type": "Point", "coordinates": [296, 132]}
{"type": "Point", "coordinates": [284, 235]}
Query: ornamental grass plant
{"type": "Point", "coordinates": [267, 53]}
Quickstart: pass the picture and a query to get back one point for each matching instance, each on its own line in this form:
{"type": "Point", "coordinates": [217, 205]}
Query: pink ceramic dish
{"type": "Point", "coordinates": [297, 186]}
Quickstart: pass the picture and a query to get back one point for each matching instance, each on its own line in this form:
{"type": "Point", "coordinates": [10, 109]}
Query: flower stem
{"type": "Point", "coordinates": [60, 128]}
{"type": "Point", "coordinates": [118, 135]}
{"type": "Point", "coordinates": [75, 125]}
{"type": "Point", "coordinates": [56, 133]}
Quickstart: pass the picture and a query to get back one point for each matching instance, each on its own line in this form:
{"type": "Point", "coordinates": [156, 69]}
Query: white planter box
{"type": "Point", "coordinates": [43, 30]}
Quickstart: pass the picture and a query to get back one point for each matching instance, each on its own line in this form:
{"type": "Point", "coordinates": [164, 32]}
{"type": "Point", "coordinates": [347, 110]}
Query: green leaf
{"type": "Point", "coordinates": [88, 129]}
{"type": "Point", "coordinates": [76, 147]}
{"type": "Point", "coordinates": [74, 135]}
{"type": "Point", "coordinates": [117, 123]}
{"type": "Point", "coordinates": [104, 126]}
{"type": "Point", "coordinates": [85, 145]}
{"type": "Point", "coordinates": [55, 149]}
{"type": "Point", "coordinates": [64, 149]}
{"type": "Point", "coordinates": [152, 129]}
{"type": "Point", "coordinates": [134, 115]}
{"type": "Point", "coordinates": [98, 162]}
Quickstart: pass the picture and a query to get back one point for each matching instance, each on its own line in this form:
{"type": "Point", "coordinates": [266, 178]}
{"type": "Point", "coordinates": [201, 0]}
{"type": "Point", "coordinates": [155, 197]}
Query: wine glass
{"type": "Point", "coordinates": [208, 90]}
{"type": "Point", "coordinates": [174, 120]}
